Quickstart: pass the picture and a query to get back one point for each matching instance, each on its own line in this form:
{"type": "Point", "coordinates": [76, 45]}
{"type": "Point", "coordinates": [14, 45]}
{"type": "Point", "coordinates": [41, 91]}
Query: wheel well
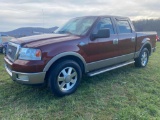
{"type": "Point", "coordinates": [148, 46]}
{"type": "Point", "coordinates": [70, 57]}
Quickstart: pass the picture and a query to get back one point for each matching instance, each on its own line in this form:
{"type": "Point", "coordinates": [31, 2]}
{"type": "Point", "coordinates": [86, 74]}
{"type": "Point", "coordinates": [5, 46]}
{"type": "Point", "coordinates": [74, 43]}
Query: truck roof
{"type": "Point", "coordinates": [120, 17]}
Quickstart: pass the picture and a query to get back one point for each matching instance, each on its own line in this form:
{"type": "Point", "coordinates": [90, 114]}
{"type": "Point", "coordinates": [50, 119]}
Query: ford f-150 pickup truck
{"type": "Point", "coordinates": [85, 45]}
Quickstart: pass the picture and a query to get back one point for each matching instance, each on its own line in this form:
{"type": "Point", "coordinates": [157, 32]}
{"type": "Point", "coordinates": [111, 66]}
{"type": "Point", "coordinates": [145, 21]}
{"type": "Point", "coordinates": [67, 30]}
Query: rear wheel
{"type": "Point", "coordinates": [142, 60]}
{"type": "Point", "coordinates": [64, 78]}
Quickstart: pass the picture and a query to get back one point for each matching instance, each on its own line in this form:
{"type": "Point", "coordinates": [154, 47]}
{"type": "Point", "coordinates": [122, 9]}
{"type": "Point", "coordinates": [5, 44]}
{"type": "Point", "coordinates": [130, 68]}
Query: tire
{"type": "Point", "coordinates": [143, 58]}
{"type": "Point", "coordinates": [64, 78]}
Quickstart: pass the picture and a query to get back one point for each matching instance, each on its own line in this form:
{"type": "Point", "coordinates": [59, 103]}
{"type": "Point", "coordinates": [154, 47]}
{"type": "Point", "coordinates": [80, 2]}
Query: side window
{"type": "Point", "coordinates": [104, 23]}
{"type": "Point", "coordinates": [124, 27]}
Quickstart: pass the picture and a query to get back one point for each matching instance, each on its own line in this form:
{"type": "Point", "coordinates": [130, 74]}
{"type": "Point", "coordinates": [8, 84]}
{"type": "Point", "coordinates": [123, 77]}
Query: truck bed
{"type": "Point", "coordinates": [143, 37]}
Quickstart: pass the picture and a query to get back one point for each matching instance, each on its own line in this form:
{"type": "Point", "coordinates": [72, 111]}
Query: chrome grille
{"type": "Point", "coordinates": [12, 50]}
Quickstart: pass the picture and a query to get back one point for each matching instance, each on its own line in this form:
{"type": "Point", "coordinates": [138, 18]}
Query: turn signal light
{"type": "Point", "coordinates": [38, 53]}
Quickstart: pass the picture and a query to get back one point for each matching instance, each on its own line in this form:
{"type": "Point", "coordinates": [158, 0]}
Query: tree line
{"type": "Point", "coordinates": [148, 25]}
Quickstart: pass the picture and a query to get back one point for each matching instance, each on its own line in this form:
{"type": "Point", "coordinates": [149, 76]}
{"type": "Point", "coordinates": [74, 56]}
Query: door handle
{"type": "Point", "coordinates": [133, 39]}
{"type": "Point", "coordinates": [115, 41]}
{"type": "Point", "coordinates": [82, 44]}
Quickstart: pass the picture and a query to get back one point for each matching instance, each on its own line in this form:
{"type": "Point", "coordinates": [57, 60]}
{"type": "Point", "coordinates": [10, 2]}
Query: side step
{"type": "Point", "coordinates": [109, 68]}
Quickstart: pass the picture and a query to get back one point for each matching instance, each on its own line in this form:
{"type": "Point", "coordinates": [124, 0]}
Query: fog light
{"type": "Point", "coordinates": [23, 77]}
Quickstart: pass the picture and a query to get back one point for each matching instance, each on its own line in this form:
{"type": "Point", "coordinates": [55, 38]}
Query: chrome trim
{"type": "Point", "coordinates": [144, 58]}
{"type": "Point", "coordinates": [33, 78]}
{"type": "Point", "coordinates": [133, 39]}
{"type": "Point", "coordinates": [82, 44]}
{"type": "Point", "coordinates": [67, 79]}
{"type": "Point", "coordinates": [108, 62]}
{"type": "Point", "coordinates": [109, 69]}
{"type": "Point", "coordinates": [16, 55]}
{"type": "Point", "coordinates": [115, 41]}
{"type": "Point", "coordinates": [63, 55]}
{"type": "Point", "coordinates": [8, 70]}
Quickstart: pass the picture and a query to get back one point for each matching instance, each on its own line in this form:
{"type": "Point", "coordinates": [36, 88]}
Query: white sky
{"type": "Point", "coordinates": [30, 13]}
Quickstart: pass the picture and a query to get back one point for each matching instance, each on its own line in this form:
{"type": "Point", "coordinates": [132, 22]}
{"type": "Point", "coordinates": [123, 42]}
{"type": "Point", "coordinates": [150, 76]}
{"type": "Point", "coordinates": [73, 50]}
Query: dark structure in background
{"type": "Point", "coordinates": [148, 25]}
{"type": "Point", "coordinates": [28, 31]}
{"type": "Point", "coordinates": [21, 32]}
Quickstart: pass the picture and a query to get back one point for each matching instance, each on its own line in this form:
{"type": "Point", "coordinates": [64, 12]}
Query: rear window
{"type": "Point", "coordinates": [124, 26]}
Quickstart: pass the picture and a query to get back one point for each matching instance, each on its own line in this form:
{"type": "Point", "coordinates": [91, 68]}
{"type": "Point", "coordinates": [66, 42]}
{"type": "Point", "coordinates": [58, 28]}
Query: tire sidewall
{"type": "Point", "coordinates": [55, 71]}
{"type": "Point", "coordinates": [144, 50]}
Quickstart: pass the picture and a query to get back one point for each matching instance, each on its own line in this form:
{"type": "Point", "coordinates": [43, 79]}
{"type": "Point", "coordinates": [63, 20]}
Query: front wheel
{"type": "Point", "coordinates": [64, 78]}
{"type": "Point", "coordinates": [142, 60]}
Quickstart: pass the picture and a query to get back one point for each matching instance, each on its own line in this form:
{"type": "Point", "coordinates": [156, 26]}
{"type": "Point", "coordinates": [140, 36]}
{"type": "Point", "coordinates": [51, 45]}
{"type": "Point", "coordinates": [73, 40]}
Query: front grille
{"type": "Point", "coordinates": [11, 51]}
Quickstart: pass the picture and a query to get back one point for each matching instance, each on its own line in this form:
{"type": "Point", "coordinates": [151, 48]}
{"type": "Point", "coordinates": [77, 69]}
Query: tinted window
{"type": "Point", "coordinates": [124, 27]}
{"type": "Point", "coordinates": [104, 23]}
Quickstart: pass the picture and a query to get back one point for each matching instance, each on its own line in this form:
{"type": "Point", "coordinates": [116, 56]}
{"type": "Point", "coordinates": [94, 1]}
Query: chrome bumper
{"type": "Point", "coordinates": [26, 78]}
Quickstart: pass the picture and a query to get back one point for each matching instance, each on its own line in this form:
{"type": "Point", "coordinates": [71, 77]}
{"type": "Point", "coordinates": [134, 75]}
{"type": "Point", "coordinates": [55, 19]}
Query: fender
{"type": "Point", "coordinates": [144, 42]}
{"type": "Point", "coordinates": [46, 68]}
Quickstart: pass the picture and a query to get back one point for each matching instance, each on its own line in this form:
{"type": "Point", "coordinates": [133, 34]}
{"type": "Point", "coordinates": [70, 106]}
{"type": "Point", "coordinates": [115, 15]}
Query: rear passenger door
{"type": "Point", "coordinates": [126, 39]}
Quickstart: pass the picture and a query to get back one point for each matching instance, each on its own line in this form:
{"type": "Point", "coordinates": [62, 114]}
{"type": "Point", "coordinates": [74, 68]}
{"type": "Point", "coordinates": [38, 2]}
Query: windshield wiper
{"type": "Point", "coordinates": [63, 31]}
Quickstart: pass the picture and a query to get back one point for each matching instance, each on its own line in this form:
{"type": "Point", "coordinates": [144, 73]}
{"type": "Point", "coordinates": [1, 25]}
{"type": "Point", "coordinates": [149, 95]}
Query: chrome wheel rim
{"type": "Point", "coordinates": [67, 78]}
{"type": "Point", "coordinates": [144, 58]}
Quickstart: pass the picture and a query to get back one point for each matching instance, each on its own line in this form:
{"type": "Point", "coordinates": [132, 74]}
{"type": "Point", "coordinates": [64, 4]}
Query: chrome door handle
{"type": "Point", "coordinates": [133, 39]}
{"type": "Point", "coordinates": [115, 41]}
{"type": "Point", "coordinates": [82, 44]}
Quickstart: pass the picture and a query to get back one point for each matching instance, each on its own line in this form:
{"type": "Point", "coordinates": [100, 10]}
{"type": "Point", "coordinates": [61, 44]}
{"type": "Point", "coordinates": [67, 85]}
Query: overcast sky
{"type": "Point", "coordinates": [49, 13]}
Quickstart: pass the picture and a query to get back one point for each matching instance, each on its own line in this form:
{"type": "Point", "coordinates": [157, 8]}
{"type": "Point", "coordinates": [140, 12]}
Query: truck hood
{"type": "Point", "coordinates": [38, 40]}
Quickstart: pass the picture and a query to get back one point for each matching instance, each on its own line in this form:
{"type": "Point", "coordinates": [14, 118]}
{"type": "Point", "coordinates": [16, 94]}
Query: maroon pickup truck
{"type": "Point", "coordinates": [85, 45]}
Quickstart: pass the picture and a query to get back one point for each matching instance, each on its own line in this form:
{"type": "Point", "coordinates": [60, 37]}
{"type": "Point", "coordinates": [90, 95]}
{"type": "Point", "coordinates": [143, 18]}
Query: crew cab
{"type": "Point", "coordinates": [85, 45]}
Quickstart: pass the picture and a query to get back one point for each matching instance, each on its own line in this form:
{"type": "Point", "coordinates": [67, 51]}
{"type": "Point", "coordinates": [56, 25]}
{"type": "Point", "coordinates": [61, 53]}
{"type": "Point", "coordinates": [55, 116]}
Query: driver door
{"type": "Point", "coordinates": [103, 50]}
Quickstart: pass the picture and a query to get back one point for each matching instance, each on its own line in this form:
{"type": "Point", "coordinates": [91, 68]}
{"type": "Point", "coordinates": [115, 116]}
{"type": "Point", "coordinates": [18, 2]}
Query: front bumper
{"type": "Point", "coordinates": [26, 78]}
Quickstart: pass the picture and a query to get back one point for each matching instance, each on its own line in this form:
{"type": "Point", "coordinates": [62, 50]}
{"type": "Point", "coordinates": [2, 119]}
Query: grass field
{"type": "Point", "coordinates": [127, 93]}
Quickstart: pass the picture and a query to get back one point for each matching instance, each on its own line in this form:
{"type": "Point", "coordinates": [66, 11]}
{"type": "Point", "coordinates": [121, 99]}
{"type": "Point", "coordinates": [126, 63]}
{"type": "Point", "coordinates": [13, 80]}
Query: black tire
{"type": "Point", "coordinates": [61, 88]}
{"type": "Point", "coordinates": [142, 61]}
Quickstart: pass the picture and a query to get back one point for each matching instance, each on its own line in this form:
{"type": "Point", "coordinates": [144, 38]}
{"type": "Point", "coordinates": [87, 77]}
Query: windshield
{"type": "Point", "coordinates": [77, 26]}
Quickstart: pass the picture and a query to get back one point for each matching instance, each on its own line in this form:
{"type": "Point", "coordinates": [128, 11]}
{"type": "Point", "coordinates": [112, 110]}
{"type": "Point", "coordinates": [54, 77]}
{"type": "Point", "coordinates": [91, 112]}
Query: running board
{"type": "Point", "coordinates": [109, 68]}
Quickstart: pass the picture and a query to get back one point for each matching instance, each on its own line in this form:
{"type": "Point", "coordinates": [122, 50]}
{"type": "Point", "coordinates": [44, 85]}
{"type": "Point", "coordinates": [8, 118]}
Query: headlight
{"type": "Point", "coordinates": [30, 54]}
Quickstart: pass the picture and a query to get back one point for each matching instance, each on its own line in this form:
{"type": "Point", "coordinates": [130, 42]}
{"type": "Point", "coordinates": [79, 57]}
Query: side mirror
{"type": "Point", "coordinates": [102, 33]}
